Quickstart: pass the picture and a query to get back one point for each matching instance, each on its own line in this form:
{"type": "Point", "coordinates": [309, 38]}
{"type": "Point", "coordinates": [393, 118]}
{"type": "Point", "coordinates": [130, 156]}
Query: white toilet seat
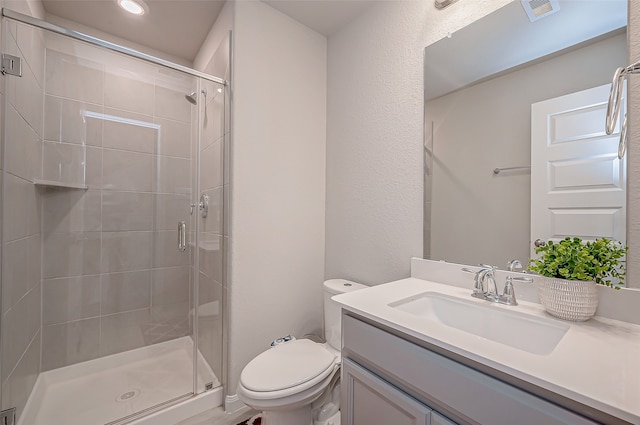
{"type": "Point", "coordinates": [287, 375]}
{"type": "Point", "coordinates": [300, 363]}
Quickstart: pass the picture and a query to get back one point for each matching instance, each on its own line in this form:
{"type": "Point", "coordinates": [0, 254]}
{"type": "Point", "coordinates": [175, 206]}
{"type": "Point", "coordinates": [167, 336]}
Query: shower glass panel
{"type": "Point", "coordinates": [211, 230]}
{"type": "Point", "coordinates": [101, 164]}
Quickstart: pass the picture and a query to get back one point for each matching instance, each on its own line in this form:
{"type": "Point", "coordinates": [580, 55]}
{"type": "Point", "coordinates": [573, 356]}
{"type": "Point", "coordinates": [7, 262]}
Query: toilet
{"type": "Point", "coordinates": [296, 383]}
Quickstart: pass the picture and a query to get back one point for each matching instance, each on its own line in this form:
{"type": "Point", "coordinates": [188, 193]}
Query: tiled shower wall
{"type": "Point", "coordinates": [21, 299]}
{"type": "Point", "coordinates": [113, 278]}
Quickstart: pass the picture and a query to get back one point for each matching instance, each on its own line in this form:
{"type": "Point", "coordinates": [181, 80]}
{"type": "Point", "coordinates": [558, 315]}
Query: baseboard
{"type": "Point", "coordinates": [232, 404]}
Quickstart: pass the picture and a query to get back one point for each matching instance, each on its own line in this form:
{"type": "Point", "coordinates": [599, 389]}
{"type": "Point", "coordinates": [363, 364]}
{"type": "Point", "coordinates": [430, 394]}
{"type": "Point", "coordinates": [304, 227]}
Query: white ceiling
{"type": "Point", "coordinates": [179, 27]}
{"type": "Point", "coordinates": [175, 27]}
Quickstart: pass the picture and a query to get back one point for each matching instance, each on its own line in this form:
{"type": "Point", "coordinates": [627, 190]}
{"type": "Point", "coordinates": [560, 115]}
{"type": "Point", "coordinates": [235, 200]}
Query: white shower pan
{"type": "Point", "coordinates": [105, 390]}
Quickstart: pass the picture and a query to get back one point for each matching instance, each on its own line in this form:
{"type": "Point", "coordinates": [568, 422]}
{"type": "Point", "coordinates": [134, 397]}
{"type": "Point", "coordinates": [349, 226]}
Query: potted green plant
{"type": "Point", "coordinates": [572, 268]}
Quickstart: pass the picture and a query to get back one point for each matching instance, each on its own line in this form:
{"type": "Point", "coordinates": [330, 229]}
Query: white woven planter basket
{"type": "Point", "coordinates": [574, 300]}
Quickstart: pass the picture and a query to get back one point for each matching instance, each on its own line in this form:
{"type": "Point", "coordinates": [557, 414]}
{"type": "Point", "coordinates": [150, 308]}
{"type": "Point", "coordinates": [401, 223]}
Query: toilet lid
{"type": "Point", "coordinates": [286, 365]}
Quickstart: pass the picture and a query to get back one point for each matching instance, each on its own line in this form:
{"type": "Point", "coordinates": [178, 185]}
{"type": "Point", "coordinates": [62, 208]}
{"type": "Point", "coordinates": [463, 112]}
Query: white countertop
{"type": "Point", "coordinates": [597, 363]}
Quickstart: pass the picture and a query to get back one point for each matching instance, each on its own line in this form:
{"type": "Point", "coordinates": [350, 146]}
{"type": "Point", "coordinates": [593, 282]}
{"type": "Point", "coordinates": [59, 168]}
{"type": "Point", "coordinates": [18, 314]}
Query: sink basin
{"type": "Point", "coordinates": [518, 330]}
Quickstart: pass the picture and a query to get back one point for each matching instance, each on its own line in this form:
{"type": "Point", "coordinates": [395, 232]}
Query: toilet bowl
{"type": "Point", "coordinates": [285, 380]}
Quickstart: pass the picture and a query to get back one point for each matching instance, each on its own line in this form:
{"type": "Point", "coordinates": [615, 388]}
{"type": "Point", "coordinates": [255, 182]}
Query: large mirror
{"type": "Point", "coordinates": [515, 148]}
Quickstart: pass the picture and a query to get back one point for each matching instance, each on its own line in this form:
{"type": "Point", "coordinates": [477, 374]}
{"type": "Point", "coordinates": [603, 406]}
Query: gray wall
{"type": "Point", "coordinates": [21, 239]}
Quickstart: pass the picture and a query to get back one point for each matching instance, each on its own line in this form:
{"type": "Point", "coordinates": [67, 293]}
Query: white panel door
{"type": "Point", "coordinates": [578, 184]}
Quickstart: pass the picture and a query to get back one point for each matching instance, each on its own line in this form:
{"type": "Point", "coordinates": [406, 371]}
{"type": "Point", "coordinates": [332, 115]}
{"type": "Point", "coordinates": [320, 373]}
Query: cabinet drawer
{"type": "Point", "coordinates": [371, 400]}
{"type": "Point", "coordinates": [469, 395]}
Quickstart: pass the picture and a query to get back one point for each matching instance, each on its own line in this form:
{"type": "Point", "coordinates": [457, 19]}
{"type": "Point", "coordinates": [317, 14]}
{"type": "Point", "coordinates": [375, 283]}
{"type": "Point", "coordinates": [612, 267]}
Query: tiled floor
{"type": "Point", "coordinates": [217, 416]}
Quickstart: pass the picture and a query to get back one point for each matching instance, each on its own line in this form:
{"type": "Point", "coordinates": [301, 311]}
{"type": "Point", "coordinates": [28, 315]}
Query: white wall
{"type": "Point", "coordinates": [220, 29]}
{"type": "Point", "coordinates": [277, 181]}
{"type": "Point", "coordinates": [375, 135]}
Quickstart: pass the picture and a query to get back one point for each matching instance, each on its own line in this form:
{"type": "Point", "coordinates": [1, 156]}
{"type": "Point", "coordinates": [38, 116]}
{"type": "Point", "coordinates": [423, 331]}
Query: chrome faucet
{"type": "Point", "coordinates": [489, 292]}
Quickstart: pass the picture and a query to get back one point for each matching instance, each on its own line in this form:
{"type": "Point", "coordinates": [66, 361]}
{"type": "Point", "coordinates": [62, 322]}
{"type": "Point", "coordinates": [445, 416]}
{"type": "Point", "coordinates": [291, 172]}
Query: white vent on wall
{"type": "Point", "coordinates": [537, 9]}
{"type": "Point", "coordinates": [441, 4]}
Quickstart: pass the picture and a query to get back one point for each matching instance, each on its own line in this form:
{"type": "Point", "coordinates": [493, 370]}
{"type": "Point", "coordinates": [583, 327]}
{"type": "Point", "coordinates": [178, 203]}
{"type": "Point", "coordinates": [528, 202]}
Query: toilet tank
{"type": "Point", "coordinates": [332, 311]}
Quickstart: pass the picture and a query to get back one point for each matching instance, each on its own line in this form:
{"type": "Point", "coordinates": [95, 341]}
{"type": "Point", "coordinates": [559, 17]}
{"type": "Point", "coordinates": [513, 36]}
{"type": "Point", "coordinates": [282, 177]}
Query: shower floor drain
{"type": "Point", "coordinates": [129, 395]}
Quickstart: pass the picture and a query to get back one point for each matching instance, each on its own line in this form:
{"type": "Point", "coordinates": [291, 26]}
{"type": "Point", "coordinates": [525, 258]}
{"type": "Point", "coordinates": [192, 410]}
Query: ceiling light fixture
{"type": "Point", "coordinates": [136, 7]}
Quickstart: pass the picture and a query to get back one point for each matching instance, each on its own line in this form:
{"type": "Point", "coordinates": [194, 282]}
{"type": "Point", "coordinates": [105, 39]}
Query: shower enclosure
{"type": "Point", "coordinates": [112, 230]}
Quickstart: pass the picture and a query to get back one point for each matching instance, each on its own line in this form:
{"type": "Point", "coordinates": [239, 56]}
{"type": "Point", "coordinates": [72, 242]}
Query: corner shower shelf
{"type": "Point", "coordinates": [57, 184]}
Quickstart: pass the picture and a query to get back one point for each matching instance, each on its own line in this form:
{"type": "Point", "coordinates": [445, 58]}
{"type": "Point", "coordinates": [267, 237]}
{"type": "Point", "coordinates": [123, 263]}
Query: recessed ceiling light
{"type": "Point", "coordinates": [136, 7]}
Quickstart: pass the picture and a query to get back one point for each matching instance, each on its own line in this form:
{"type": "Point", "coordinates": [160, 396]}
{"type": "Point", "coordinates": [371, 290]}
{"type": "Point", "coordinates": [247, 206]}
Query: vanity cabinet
{"type": "Point", "coordinates": [389, 380]}
{"type": "Point", "coordinates": [372, 400]}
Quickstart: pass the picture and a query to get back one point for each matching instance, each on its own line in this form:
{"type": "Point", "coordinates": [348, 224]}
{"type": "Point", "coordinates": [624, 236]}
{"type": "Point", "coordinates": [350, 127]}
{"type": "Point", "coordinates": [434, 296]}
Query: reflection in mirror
{"type": "Point", "coordinates": [528, 98]}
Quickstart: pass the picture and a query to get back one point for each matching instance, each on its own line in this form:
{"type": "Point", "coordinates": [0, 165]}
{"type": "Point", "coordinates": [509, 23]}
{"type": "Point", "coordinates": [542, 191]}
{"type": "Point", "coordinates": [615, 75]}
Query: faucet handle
{"type": "Point", "coordinates": [509, 294]}
{"type": "Point", "coordinates": [490, 268]}
{"type": "Point", "coordinates": [521, 279]}
{"type": "Point", "coordinates": [513, 265]}
{"type": "Point", "coordinates": [478, 288]}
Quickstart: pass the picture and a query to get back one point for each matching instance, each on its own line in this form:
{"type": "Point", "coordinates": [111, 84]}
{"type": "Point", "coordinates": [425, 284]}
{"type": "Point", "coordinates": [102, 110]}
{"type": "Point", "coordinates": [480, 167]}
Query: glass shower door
{"type": "Point", "coordinates": [98, 296]}
{"type": "Point", "coordinates": [211, 240]}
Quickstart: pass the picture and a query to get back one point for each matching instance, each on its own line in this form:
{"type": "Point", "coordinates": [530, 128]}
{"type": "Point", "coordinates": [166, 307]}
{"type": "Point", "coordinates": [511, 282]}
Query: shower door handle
{"type": "Point", "coordinates": [182, 236]}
